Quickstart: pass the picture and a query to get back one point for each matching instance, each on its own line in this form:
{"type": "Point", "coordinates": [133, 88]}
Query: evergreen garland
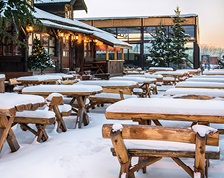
{"type": "Point", "coordinates": [39, 59]}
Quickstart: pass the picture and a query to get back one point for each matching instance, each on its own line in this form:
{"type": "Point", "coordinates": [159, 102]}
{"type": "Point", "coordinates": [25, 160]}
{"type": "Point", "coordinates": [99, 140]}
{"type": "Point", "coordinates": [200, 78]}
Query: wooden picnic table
{"type": "Point", "coordinates": [77, 92]}
{"type": "Point", "coordinates": [143, 82]}
{"type": "Point", "coordinates": [190, 84]}
{"type": "Point", "coordinates": [112, 85]}
{"type": "Point", "coordinates": [204, 79]}
{"type": "Point", "coordinates": [147, 109]}
{"type": "Point", "coordinates": [214, 72]}
{"type": "Point", "coordinates": [10, 104]}
{"type": "Point", "coordinates": [39, 79]}
{"type": "Point", "coordinates": [201, 93]}
{"type": "Point", "coordinates": [154, 69]}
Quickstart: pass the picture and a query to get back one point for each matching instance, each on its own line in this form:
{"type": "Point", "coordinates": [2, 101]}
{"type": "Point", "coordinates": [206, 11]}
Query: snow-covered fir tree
{"type": "Point", "coordinates": [39, 59]}
{"type": "Point", "coordinates": [178, 40]}
{"type": "Point", "coordinates": [158, 50]}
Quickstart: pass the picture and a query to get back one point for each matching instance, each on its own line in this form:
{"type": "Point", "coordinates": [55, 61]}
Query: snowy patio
{"type": "Point", "coordinates": [83, 153]}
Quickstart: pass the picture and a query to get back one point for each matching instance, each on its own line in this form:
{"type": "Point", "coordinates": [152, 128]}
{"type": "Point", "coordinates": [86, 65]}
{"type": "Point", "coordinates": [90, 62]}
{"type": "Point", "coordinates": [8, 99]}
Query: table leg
{"type": "Point", "coordinates": [6, 133]}
{"type": "Point", "coordinates": [82, 115]}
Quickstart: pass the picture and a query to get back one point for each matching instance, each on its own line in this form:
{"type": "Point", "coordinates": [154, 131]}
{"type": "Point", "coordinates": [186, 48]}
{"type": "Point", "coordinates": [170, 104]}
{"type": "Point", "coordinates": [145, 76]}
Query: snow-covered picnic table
{"type": "Point", "coordinates": [190, 84]}
{"type": "Point", "coordinates": [111, 85]}
{"type": "Point", "coordinates": [77, 92]}
{"type": "Point", "coordinates": [197, 92]}
{"type": "Point", "coordinates": [143, 82]}
{"type": "Point", "coordinates": [39, 79]}
{"type": "Point", "coordinates": [142, 109]}
{"type": "Point", "coordinates": [9, 105]}
{"type": "Point", "coordinates": [154, 69]}
{"type": "Point", "coordinates": [204, 79]}
{"type": "Point", "coordinates": [214, 72]}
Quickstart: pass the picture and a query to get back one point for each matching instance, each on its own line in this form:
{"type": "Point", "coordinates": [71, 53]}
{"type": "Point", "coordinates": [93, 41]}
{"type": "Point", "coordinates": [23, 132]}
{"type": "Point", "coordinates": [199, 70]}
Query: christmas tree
{"type": "Point", "coordinates": [39, 59]}
{"type": "Point", "coordinates": [158, 50]}
{"type": "Point", "coordinates": [178, 40]}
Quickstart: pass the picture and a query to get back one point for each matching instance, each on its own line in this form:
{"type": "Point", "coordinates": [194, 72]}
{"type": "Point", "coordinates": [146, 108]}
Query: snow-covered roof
{"type": "Point", "coordinates": [74, 25]}
{"type": "Point", "coordinates": [134, 17]}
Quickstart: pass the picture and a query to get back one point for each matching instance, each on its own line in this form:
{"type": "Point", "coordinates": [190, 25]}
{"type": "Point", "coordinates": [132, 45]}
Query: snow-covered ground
{"type": "Point", "coordinates": [83, 153]}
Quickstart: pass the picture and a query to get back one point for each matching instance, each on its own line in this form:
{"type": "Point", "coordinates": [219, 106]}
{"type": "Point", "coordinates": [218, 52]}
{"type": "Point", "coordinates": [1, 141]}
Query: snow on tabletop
{"type": "Point", "coordinates": [201, 84]}
{"type": "Point", "coordinates": [36, 114]}
{"type": "Point", "coordinates": [117, 127]}
{"type": "Point", "coordinates": [214, 72]}
{"type": "Point", "coordinates": [204, 79]}
{"type": "Point", "coordinates": [105, 83]}
{"type": "Point", "coordinates": [168, 106]}
{"type": "Point", "coordinates": [40, 77]}
{"type": "Point", "coordinates": [195, 91]}
{"type": "Point", "coordinates": [136, 79]}
{"type": "Point", "coordinates": [62, 88]}
{"type": "Point", "coordinates": [202, 130]}
{"type": "Point", "coordinates": [161, 68]}
{"type": "Point", "coordinates": [10, 100]}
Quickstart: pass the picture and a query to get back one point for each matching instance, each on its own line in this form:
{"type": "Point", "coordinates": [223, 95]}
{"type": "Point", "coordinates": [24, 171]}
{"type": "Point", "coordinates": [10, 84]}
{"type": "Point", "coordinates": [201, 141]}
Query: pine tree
{"type": "Point", "coordinates": [39, 59]}
{"type": "Point", "coordinates": [158, 50]}
{"type": "Point", "coordinates": [178, 40]}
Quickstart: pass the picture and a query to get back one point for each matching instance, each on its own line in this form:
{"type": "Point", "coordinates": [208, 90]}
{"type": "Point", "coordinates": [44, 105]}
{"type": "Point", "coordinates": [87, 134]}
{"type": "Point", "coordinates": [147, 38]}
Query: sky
{"type": "Point", "coordinates": [210, 12]}
{"type": "Point", "coordinates": [83, 153]}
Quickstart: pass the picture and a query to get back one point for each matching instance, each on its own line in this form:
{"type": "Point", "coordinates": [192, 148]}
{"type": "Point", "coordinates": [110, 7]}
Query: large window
{"type": "Point", "coordinates": [47, 41]}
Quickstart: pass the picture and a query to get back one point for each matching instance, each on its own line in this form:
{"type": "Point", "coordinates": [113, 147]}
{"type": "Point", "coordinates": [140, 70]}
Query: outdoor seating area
{"type": "Point", "coordinates": [137, 103]}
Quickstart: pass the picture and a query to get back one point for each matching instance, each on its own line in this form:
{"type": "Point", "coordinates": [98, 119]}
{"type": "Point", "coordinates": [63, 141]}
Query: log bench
{"type": "Point", "coordinates": [140, 141]}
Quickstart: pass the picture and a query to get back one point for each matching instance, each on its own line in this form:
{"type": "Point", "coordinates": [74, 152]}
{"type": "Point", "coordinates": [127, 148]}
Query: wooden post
{"type": "Point", "coordinates": [122, 153]}
{"type": "Point", "coordinates": [107, 53]}
{"type": "Point", "coordinates": [115, 53]}
{"type": "Point", "coordinates": [122, 54]}
{"type": "Point", "coordinates": [199, 164]}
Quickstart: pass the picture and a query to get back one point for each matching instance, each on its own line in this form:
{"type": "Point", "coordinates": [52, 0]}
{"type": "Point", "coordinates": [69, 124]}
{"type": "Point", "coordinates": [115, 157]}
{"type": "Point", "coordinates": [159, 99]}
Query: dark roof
{"type": "Point", "coordinates": [77, 4]}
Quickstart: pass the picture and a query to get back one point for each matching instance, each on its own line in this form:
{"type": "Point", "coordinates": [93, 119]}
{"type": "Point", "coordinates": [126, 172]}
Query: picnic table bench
{"type": "Point", "coordinates": [140, 141]}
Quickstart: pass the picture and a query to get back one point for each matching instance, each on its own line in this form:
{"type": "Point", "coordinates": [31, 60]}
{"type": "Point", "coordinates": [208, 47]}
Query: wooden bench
{"type": "Point", "coordinates": [16, 86]}
{"type": "Point", "coordinates": [40, 118]}
{"type": "Point", "coordinates": [43, 117]}
{"type": "Point", "coordinates": [108, 98]}
{"type": "Point", "coordinates": [201, 147]}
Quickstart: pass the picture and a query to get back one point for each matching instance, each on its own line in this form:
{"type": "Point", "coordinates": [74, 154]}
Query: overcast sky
{"type": "Point", "coordinates": [210, 12]}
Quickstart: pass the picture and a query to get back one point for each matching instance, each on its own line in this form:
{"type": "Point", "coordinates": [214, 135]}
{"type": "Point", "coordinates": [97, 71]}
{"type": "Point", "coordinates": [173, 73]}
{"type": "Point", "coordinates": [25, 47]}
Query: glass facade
{"type": "Point", "coordinates": [140, 41]}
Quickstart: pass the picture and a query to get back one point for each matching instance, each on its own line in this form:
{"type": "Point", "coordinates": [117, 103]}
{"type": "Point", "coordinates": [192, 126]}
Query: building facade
{"type": "Point", "coordinates": [136, 31]}
{"type": "Point", "coordinates": [71, 44]}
